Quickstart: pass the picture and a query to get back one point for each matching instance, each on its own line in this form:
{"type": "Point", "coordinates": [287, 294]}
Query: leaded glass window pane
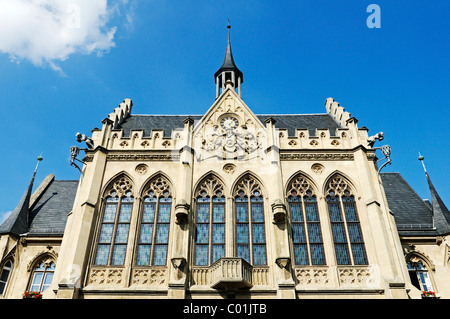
{"type": "Point", "coordinates": [241, 212]}
{"type": "Point", "coordinates": [334, 209]}
{"type": "Point", "coordinates": [296, 212]}
{"type": "Point", "coordinates": [301, 254]}
{"type": "Point", "coordinates": [122, 233]}
{"type": "Point", "coordinates": [102, 255]}
{"type": "Point", "coordinates": [146, 234]}
{"type": "Point", "coordinates": [312, 214]}
{"type": "Point", "coordinates": [317, 254]}
{"type": "Point", "coordinates": [242, 233]}
{"type": "Point", "coordinates": [218, 213]}
{"type": "Point", "coordinates": [110, 213]}
{"type": "Point", "coordinates": [243, 251]}
{"type": "Point", "coordinates": [118, 257]}
{"type": "Point", "coordinates": [298, 233]}
{"type": "Point", "coordinates": [218, 236]}
{"type": "Point", "coordinates": [143, 255]}
{"type": "Point", "coordinates": [148, 214]}
{"type": "Point", "coordinates": [106, 233]}
{"type": "Point", "coordinates": [259, 254]}
{"type": "Point", "coordinates": [342, 254]}
{"type": "Point", "coordinates": [201, 255]}
{"type": "Point", "coordinates": [203, 213]}
{"type": "Point", "coordinates": [125, 213]}
{"type": "Point", "coordinates": [359, 254]}
{"type": "Point", "coordinates": [258, 233]}
{"type": "Point", "coordinates": [164, 213]}
{"type": "Point", "coordinates": [339, 233]}
{"type": "Point", "coordinates": [354, 232]}
{"type": "Point", "coordinates": [314, 233]}
{"type": "Point", "coordinates": [218, 251]}
{"type": "Point", "coordinates": [160, 255]}
{"type": "Point", "coordinates": [162, 233]}
{"type": "Point", "coordinates": [202, 235]}
{"type": "Point", "coordinates": [257, 213]}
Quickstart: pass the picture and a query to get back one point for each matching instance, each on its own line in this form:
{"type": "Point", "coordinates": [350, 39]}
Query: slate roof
{"type": "Point", "coordinates": [413, 216]}
{"type": "Point", "coordinates": [49, 215]}
{"type": "Point", "coordinates": [147, 123]}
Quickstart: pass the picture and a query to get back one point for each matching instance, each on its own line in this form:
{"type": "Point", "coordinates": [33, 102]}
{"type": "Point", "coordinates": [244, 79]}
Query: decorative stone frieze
{"type": "Point", "coordinates": [357, 276]}
{"type": "Point", "coordinates": [316, 157]}
{"type": "Point", "coordinates": [313, 276]}
{"type": "Point", "coordinates": [149, 277]}
{"type": "Point", "coordinates": [143, 157]}
{"type": "Point", "coordinates": [106, 276]}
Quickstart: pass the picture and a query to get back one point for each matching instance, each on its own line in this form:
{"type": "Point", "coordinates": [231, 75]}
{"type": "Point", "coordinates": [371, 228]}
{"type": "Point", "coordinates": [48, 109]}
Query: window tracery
{"type": "Point", "coordinates": [250, 237]}
{"type": "Point", "coordinates": [210, 222]}
{"type": "Point", "coordinates": [306, 232]}
{"type": "Point", "coordinates": [345, 225]}
{"type": "Point", "coordinates": [42, 275]}
{"type": "Point", "coordinates": [155, 223]}
{"type": "Point", "coordinates": [115, 225]}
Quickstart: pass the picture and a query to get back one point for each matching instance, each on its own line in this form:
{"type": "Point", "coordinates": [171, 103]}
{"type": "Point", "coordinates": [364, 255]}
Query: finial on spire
{"type": "Point", "coordinates": [39, 158]}
{"type": "Point", "coordinates": [421, 158]}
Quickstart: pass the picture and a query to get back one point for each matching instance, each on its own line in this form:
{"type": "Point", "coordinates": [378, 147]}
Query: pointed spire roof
{"type": "Point", "coordinates": [228, 62]}
{"type": "Point", "coordinates": [18, 222]}
{"type": "Point", "coordinates": [441, 214]}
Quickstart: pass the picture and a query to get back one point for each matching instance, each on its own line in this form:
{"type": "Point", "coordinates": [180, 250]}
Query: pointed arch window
{"type": "Point", "coordinates": [345, 225]}
{"type": "Point", "coordinates": [419, 275]}
{"type": "Point", "coordinates": [42, 276]}
{"type": "Point", "coordinates": [210, 222]}
{"type": "Point", "coordinates": [250, 240]}
{"type": "Point", "coordinates": [306, 232]}
{"type": "Point", "coordinates": [4, 275]}
{"type": "Point", "coordinates": [115, 225]}
{"type": "Point", "coordinates": [155, 224]}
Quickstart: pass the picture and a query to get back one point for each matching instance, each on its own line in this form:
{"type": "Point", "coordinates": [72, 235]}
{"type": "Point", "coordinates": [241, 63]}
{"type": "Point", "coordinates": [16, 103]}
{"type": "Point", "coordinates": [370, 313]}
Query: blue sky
{"type": "Point", "coordinates": [57, 81]}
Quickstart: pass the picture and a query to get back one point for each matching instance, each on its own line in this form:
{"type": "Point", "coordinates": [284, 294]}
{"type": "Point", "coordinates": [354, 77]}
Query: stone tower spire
{"type": "Point", "coordinates": [228, 71]}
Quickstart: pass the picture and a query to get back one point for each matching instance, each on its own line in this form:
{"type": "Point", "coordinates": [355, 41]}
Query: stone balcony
{"type": "Point", "coordinates": [231, 274]}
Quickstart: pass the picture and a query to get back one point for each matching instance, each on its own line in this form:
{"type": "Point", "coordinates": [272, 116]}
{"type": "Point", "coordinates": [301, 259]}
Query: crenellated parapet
{"type": "Point", "coordinates": [321, 139]}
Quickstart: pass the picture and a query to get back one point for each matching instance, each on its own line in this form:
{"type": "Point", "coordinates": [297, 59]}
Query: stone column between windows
{"type": "Point", "coordinates": [177, 261]}
{"type": "Point", "coordinates": [278, 220]}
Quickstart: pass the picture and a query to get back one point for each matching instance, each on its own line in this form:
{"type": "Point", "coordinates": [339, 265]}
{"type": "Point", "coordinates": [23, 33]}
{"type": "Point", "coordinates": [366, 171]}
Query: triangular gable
{"type": "Point", "coordinates": [212, 137]}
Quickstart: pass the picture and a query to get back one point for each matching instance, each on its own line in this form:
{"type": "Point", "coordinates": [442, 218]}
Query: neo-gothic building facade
{"type": "Point", "coordinates": [227, 204]}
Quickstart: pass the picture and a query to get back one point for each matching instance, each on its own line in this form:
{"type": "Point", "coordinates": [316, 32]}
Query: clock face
{"type": "Point", "coordinates": [229, 122]}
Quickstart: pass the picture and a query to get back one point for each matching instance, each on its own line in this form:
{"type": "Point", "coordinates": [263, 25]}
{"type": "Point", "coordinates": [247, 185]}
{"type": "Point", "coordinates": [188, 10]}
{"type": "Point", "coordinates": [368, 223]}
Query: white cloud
{"type": "Point", "coordinates": [46, 32]}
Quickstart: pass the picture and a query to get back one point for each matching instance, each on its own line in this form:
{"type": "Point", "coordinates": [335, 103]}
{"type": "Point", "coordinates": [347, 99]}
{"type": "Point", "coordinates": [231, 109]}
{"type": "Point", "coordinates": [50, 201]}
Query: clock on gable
{"type": "Point", "coordinates": [229, 122]}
